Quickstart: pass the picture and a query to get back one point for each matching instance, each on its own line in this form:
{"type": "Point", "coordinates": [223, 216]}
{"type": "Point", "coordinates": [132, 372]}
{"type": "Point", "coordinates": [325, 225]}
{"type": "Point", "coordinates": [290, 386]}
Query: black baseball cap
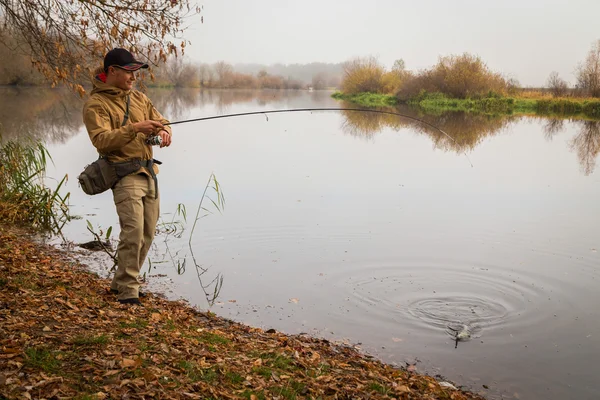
{"type": "Point", "coordinates": [123, 59]}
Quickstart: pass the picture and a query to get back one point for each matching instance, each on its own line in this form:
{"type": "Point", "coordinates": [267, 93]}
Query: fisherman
{"type": "Point", "coordinates": [120, 120]}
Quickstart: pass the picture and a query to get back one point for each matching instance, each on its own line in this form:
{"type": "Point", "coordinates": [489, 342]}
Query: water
{"type": "Point", "coordinates": [376, 231]}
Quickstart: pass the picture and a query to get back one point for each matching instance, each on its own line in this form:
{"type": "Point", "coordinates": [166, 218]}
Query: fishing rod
{"type": "Point", "coordinates": [316, 109]}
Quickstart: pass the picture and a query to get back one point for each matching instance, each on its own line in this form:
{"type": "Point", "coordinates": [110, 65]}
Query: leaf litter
{"type": "Point", "coordinates": [64, 335]}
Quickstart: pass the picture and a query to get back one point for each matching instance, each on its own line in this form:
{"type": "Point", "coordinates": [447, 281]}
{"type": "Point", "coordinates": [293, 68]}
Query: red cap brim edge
{"type": "Point", "coordinates": [132, 66]}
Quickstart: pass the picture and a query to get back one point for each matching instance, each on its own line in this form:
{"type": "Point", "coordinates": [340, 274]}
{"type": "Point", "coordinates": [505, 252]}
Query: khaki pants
{"type": "Point", "coordinates": [138, 212]}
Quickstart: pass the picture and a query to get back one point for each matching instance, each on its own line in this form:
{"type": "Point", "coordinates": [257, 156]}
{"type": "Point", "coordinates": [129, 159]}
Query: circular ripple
{"type": "Point", "coordinates": [424, 298]}
{"type": "Point", "coordinates": [454, 314]}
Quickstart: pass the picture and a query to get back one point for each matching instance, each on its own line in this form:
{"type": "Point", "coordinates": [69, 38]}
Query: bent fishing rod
{"type": "Point", "coordinates": [316, 109]}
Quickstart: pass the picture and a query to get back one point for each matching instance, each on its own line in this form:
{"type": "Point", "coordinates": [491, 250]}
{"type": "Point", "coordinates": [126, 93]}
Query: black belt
{"type": "Point", "coordinates": [149, 165]}
{"type": "Point", "coordinates": [124, 168]}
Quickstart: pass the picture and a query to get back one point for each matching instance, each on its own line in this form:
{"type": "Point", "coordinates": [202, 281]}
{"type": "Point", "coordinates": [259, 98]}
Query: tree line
{"type": "Point", "coordinates": [178, 72]}
{"type": "Point", "coordinates": [17, 69]}
{"type": "Point", "coordinates": [460, 76]}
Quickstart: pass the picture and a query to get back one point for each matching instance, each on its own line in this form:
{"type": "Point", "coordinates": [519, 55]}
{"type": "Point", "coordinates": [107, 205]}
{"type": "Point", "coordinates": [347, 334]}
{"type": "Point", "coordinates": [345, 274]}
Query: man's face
{"type": "Point", "coordinates": [121, 78]}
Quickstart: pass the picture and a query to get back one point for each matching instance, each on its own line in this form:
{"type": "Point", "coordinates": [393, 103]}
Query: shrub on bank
{"type": "Point", "coordinates": [363, 75]}
{"type": "Point", "coordinates": [592, 108]}
{"type": "Point", "coordinates": [462, 77]}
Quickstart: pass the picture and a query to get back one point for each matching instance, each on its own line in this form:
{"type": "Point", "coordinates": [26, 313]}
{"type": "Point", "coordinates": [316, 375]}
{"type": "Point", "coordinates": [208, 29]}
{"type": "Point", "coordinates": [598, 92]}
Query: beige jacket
{"type": "Point", "coordinates": [103, 115]}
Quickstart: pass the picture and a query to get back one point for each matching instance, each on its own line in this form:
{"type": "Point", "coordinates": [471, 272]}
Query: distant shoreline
{"type": "Point", "coordinates": [435, 103]}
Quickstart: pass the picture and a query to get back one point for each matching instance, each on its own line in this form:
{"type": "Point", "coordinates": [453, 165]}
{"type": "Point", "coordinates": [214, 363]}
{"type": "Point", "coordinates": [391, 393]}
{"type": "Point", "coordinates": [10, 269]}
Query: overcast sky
{"type": "Point", "coordinates": [524, 39]}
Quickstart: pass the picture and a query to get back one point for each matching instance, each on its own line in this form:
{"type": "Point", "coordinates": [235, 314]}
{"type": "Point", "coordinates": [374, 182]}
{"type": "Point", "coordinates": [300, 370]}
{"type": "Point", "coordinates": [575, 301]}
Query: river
{"type": "Point", "coordinates": [376, 231]}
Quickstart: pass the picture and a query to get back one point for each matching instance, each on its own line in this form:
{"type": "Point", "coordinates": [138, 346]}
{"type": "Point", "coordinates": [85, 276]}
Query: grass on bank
{"type": "Point", "coordinates": [367, 99]}
{"type": "Point", "coordinates": [24, 196]}
{"type": "Point", "coordinates": [438, 102]}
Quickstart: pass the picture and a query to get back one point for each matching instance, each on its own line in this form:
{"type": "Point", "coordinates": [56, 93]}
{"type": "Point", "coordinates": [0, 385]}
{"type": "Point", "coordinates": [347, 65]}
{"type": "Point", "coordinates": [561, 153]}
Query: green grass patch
{"type": "Point", "coordinates": [24, 282]}
{"type": "Point", "coordinates": [489, 105]}
{"type": "Point", "coordinates": [376, 387]}
{"type": "Point", "coordinates": [91, 340]}
{"type": "Point", "coordinates": [208, 375]}
{"type": "Point", "coordinates": [265, 372]}
{"type": "Point", "coordinates": [234, 378]}
{"type": "Point", "coordinates": [212, 338]}
{"type": "Point", "coordinates": [438, 102]}
{"type": "Point", "coordinates": [367, 99]}
{"type": "Point", "coordinates": [137, 324]}
{"type": "Point", "coordinates": [290, 391]}
{"type": "Point", "coordinates": [39, 357]}
{"type": "Point", "coordinates": [278, 361]}
{"type": "Point", "coordinates": [247, 394]}
{"type": "Point", "coordinates": [191, 370]}
{"type": "Point", "coordinates": [196, 374]}
{"type": "Point", "coordinates": [143, 346]}
{"type": "Point", "coordinates": [170, 325]}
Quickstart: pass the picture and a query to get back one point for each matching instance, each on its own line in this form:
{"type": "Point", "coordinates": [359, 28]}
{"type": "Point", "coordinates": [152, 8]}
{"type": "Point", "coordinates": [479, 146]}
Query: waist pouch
{"type": "Point", "coordinates": [102, 174]}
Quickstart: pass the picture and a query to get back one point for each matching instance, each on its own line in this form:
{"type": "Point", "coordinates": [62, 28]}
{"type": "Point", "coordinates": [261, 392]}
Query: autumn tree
{"type": "Point", "coordinates": [224, 73]}
{"type": "Point", "coordinates": [588, 72]}
{"type": "Point", "coordinates": [65, 38]}
{"type": "Point", "coordinates": [557, 85]}
{"type": "Point", "coordinates": [399, 65]}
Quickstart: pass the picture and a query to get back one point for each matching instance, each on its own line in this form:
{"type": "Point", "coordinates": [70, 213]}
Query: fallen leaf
{"type": "Point", "coordinates": [396, 339]}
{"type": "Point", "coordinates": [127, 362]}
{"type": "Point", "coordinates": [315, 356]}
{"type": "Point", "coordinates": [294, 300]}
{"type": "Point", "coordinates": [403, 389]}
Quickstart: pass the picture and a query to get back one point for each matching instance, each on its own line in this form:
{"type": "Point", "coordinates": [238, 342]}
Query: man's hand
{"type": "Point", "coordinates": [166, 138]}
{"type": "Point", "coordinates": [148, 127]}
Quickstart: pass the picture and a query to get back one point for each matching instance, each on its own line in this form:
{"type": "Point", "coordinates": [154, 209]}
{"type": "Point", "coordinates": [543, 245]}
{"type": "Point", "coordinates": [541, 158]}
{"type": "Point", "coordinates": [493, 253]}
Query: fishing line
{"type": "Point", "coordinates": [316, 109]}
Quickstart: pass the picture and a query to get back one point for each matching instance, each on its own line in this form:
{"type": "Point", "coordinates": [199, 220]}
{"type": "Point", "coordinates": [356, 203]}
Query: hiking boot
{"type": "Point", "coordinates": [133, 300]}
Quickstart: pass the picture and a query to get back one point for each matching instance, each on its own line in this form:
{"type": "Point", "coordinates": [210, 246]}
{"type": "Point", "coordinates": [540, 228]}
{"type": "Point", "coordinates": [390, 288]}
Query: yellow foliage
{"type": "Point", "coordinates": [391, 81]}
{"type": "Point", "coordinates": [465, 76]}
{"type": "Point", "coordinates": [363, 75]}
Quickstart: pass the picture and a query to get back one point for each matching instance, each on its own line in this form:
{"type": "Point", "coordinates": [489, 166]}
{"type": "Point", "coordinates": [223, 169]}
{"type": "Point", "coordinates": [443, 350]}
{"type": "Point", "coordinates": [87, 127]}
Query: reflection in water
{"type": "Point", "coordinates": [552, 127]}
{"type": "Point", "coordinates": [175, 102]}
{"type": "Point", "coordinates": [49, 115]}
{"type": "Point", "coordinates": [466, 130]}
{"type": "Point", "coordinates": [174, 230]}
{"type": "Point", "coordinates": [55, 115]}
{"type": "Point", "coordinates": [586, 144]}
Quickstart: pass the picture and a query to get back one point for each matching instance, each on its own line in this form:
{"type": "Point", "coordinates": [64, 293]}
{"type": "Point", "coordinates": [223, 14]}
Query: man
{"type": "Point", "coordinates": [119, 120]}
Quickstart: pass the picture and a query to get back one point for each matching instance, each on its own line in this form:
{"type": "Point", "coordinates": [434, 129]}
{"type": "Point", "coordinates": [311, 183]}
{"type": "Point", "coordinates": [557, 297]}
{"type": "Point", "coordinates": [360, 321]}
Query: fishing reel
{"type": "Point", "coordinates": [155, 140]}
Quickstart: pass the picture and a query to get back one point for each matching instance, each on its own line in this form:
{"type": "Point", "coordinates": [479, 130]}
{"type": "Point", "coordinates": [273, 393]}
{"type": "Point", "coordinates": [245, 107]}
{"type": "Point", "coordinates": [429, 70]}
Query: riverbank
{"type": "Point", "coordinates": [63, 335]}
{"type": "Point", "coordinates": [436, 103]}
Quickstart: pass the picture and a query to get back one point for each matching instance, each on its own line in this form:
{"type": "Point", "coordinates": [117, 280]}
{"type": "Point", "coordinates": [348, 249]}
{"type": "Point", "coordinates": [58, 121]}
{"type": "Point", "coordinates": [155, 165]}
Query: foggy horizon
{"type": "Point", "coordinates": [524, 40]}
